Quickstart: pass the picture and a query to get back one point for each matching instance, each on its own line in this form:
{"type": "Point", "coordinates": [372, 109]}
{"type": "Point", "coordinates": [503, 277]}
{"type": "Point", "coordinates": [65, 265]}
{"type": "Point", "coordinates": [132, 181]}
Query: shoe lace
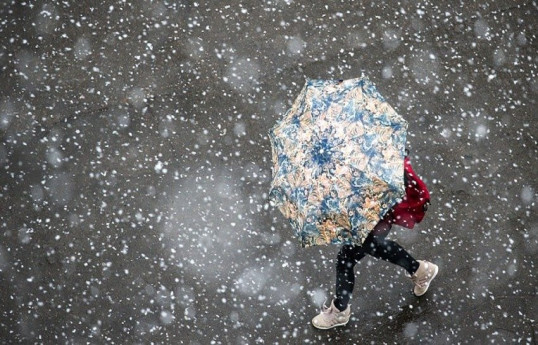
{"type": "Point", "coordinates": [325, 309]}
{"type": "Point", "coordinates": [420, 281]}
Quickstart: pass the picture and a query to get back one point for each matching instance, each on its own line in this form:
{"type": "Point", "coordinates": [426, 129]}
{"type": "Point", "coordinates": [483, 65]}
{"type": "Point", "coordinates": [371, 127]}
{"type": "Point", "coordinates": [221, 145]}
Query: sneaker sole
{"type": "Point", "coordinates": [434, 275]}
{"type": "Point", "coordinates": [333, 326]}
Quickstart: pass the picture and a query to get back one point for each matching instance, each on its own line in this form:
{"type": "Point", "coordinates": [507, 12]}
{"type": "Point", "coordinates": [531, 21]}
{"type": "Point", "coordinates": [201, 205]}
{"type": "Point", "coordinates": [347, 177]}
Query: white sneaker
{"type": "Point", "coordinates": [423, 277]}
{"type": "Point", "coordinates": [331, 317]}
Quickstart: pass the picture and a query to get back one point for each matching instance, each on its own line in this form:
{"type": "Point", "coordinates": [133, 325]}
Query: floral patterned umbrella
{"type": "Point", "coordinates": [338, 159]}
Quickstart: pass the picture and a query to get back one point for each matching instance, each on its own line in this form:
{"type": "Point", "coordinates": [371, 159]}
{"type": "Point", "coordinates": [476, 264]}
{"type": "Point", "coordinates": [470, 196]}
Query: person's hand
{"type": "Point", "coordinates": [425, 206]}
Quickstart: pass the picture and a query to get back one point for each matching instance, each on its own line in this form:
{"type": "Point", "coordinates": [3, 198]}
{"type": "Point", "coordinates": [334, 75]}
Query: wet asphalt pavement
{"type": "Point", "coordinates": [135, 167]}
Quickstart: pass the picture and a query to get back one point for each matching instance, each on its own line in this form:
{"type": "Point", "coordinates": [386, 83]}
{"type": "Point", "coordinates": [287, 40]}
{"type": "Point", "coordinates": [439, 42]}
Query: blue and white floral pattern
{"type": "Point", "coordinates": [338, 158]}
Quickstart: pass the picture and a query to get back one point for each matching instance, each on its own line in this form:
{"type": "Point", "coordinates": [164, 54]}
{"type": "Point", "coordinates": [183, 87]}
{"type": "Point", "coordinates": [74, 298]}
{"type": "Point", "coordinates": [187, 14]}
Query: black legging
{"type": "Point", "coordinates": [376, 245]}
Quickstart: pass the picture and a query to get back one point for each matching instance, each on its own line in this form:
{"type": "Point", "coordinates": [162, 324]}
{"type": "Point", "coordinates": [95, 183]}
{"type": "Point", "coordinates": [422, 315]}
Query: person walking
{"type": "Point", "coordinates": [407, 213]}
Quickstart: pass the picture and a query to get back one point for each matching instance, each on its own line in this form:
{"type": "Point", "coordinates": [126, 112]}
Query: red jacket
{"type": "Point", "coordinates": [415, 202]}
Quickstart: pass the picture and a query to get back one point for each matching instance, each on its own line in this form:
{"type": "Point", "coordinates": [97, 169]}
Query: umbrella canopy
{"type": "Point", "coordinates": [338, 160]}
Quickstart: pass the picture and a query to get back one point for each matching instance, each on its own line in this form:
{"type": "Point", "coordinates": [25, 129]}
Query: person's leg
{"type": "Point", "coordinates": [339, 312]}
{"type": "Point", "coordinates": [378, 246]}
{"type": "Point", "coordinates": [345, 275]}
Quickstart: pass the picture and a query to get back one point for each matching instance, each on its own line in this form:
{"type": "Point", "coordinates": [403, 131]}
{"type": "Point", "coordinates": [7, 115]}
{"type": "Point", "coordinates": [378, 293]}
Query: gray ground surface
{"type": "Point", "coordinates": [135, 166]}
